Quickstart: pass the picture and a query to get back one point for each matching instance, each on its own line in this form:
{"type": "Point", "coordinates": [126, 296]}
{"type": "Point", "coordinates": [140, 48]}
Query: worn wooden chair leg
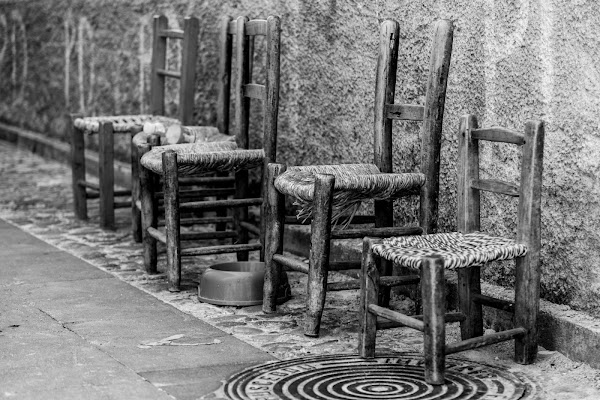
{"type": "Point", "coordinates": [369, 294]}
{"type": "Point", "coordinates": [106, 175]}
{"type": "Point", "coordinates": [434, 309]}
{"type": "Point", "coordinates": [319, 253]}
{"type": "Point", "coordinates": [78, 171]}
{"type": "Point", "coordinates": [149, 214]}
{"type": "Point", "coordinates": [171, 195]}
{"type": "Point", "coordinates": [136, 215]}
{"type": "Point", "coordinates": [274, 219]}
{"type": "Point", "coordinates": [527, 303]}
{"type": "Point", "coordinates": [240, 214]}
{"type": "Point", "coordinates": [468, 284]}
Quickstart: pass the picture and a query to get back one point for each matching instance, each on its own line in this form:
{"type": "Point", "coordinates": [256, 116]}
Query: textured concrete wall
{"type": "Point", "coordinates": [512, 61]}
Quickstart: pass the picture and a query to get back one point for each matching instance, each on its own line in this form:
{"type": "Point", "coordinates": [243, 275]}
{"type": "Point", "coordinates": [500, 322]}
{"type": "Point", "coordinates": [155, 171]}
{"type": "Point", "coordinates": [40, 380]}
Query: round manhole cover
{"type": "Point", "coordinates": [385, 377]}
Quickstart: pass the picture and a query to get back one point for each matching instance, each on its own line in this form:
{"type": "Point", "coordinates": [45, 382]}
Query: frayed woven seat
{"type": "Point", "coordinates": [208, 157]}
{"type": "Point", "coordinates": [121, 123]}
{"type": "Point", "coordinates": [353, 184]}
{"type": "Point", "coordinates": [458, 250]}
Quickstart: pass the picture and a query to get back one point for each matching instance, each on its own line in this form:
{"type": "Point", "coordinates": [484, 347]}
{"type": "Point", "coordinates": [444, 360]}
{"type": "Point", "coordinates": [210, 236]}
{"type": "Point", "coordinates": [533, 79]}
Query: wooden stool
{"type": "Point", "coordinates": [465, 252]}
{"type": "Point", "coordinates": [327, 192]}
{"type": "Point", "coordinates": [107, 126]}
{"type": "Point", "coordinates": [173, 162]}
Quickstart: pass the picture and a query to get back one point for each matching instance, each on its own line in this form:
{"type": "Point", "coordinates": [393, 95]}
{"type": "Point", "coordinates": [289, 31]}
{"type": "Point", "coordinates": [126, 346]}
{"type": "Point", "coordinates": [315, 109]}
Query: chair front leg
{"type": "Point", "coordinates": [274, 220]}
{"type": "Point", "coordinates": [369, 294]}
{"type": "Point", "coordinates": [434, 309]}
{"type": "Point", "coordinates": [320, 238]}
{"type": "Point", "coordinates": [106, 175]}
{"type": "Point", "coordinates": [172, 221]}
{"type": "Point", "coordinates": [78, 170]}
{"type": "Point", "coordinates": [527, 303]}
{"type": "Point", "coordinates": [469, 283]}
{"type": "Point", "coordinates": [136, 215]}
{"type": "Point", "coordinates": [149, 215]}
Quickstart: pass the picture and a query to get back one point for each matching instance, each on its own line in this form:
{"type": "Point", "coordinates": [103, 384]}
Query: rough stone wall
{"type": "Point", "coordinates": [513, 60]}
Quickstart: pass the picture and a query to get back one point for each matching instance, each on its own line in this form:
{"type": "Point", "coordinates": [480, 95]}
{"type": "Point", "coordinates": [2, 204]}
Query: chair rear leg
{"type": "Point", "coordinates": [434, 308]}
{"type": "Point", "coordinates": [369, 294]}
{"type": "Point", "coordinates": [78, 170]}
{"type": "Point", "coordinates": [468, 284]}
{"type": "Point", "coordinates": [172, 221]}
{"type": "Point", "coordinates": [320, 238]}
{"type": "Point", "coordinates": [106, 175]}
{"type": "Point", "coordinates": [274, 220]}
{"type": "Point", "coordinates": [136, 214]}
{"type": "Point", "coordinates": [527, 302]}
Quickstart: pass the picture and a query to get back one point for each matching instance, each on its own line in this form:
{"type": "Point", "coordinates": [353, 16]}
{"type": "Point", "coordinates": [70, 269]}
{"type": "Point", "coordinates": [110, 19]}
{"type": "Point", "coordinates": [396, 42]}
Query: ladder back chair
{"type": "Point", "coordinates": [326, 192]}
{"type": "Point", "coordinates": [175, 161]}
{"type": "Point", "coordinates": [465, 252]}
{"type": "Point", "coordinates": [142, 142]}
{"type": "Point", "coordinates": [106, 126]}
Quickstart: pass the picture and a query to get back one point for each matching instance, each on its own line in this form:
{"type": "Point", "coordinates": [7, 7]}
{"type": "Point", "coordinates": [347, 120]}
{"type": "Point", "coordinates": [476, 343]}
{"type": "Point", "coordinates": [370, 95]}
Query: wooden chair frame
{"type": "Point", "coordinates": [105, 189]}
{"type": "Point", "coordinates": [227, 32]}
{"type": "Point", "coordinates": [527, 274]}
{"type": "Point", "coordinates": [245, 31]}
{"type": "Point", "coordinates": [321, 232]}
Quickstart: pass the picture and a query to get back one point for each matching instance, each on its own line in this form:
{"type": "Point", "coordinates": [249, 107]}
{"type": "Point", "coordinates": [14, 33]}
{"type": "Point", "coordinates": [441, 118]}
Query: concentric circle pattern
{"type": "Point", "coordinates": [348, 377]}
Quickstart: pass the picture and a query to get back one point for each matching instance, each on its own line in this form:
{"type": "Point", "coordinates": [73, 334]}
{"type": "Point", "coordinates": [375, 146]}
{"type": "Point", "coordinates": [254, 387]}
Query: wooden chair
{"type": "Point", "coordinates": [326, 192]}
{"type": "Point", "coordinates": [465, 252]}
{"type": "Point", "coordinates": [106, 126]}
{"type": "Point", "coordinates": [219, 185]}
{"type": "Point", "coordinates": [173, 162]}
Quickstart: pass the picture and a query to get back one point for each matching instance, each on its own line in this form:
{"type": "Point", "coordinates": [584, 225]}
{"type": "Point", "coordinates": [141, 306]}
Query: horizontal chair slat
{"type": "Point", "coordinates": [496, 186]}
{"type": "Point", "coordinates": [291, 263]}
{"type": "Point", "coordinates": [343, 265]}
{"type": "Point", "coordinates": [208, 235]}
{"type": "Point", "coordinates": [448, 318]}
{"type": "Point", "coordinates": [201, 251]}
{"type": "Point", "coordinates": [205, 205]}
{"type": "Point", "coordinates": [89, 185]}
{"type": "Point", "coordinates": [396, 317]}
{"type": "Point", "coordinates": [489, 301]}
{"type": "Point", "coordinates": [250, 227]}
{"type": "Point", "coordinates": [172, 33]}
{"type": "Point", "coordinates": [406, 112]}
{"type": "Point", "coordinates": [256, 27]}
{"type": "Point", "coordinates": [92, 195]}
{"type": "Point", "coordinates": [204, 180]}
{"type": "Point", "coordinates": [391, 281]}
{"type": "Point", "coordinates": [171, 74]}
{"type": "Point", "coordinates": [122, 204]}
{"type": "Point", "coordinates": [200, 221]}
{"type": "Point", "coordinates": [184, 194]}
{"type": "Point", "coordinates": [346, 285]}
{"type": "Point", "coordinates": [376, 232]}
{"type": "Point", "coordinates": [254, 91]}
{"type": "Point", "coordinates": [486, 340]}
{"type": "Point", "coordinates": [498, 134]}
{"type": "Point", "coordinates": [158, 235]}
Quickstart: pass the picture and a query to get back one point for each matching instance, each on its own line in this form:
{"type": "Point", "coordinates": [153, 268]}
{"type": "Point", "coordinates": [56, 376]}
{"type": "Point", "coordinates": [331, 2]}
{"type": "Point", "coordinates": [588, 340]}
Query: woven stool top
{"type": "Point", "coordinates": [458, 250]}
{"type": "Point", "coordinates": [205, 157]}
{"type": "Point", "coordinates": [121, 123]}
{"type": "Point", "coordinates": [354, 183]}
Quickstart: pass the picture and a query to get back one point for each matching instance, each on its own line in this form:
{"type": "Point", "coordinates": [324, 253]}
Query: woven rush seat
{"type": "Point", "coordinates": [458, 250]}
{"type": "Point", "coordinates": [121, 123]}
{"type": "Point", "coordinates": [353, 184]}
{"type": "Point", "coordinates": [207, 157]}
{"type": "Point", "coordinates": [209, 134]}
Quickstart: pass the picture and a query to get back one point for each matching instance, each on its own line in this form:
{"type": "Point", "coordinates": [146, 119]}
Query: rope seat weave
{"type": "Point", "coordinates": [354, 183]}
{"type": "Point", "coordinates": [205, 157]}
{"type": "Point", "coordinates": [206, 134]}
{"type": "Point", "coordinates": [458, 250]}
{"type": "Point", "coordinates": [121, 123]}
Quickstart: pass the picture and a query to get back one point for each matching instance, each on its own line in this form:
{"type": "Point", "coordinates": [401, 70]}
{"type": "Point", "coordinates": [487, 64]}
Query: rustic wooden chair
{"type": "Point", "coordinates": [326, 192]}
{"type": "Point", "coordinates": [465, 252]}
{"type": "Point", "coordinates": [142, 142]}
{"type": "Point", "coordinates": [172, 162]}
{"type": "Point", "coordinates": [106, 126]}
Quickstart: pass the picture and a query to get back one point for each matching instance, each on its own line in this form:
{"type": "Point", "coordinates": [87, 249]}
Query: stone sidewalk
{"type": "Point", "coordinates": [35, 195]}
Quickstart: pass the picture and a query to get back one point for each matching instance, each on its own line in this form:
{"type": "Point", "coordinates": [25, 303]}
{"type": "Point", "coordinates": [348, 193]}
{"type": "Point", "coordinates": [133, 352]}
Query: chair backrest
{"type": "Point", "coordinates": [529, 190]}
{"type": "Point", "coordinates": [187, 74]}
{"type": "Point", "coordinates": [246, 31]}
{"type": "Point", "coordinates": [431, 114]}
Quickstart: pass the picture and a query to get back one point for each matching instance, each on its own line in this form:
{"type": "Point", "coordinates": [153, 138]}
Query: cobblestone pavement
{"type": "Point", "coordinates": [35, 195]}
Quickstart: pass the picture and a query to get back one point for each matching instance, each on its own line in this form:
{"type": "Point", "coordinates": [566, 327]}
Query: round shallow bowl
{"type": "Point", "coordinates": [238, 284]}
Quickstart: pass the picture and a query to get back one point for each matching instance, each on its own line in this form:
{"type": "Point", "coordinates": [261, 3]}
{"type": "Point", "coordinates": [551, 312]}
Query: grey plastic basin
{"type": "Point", "coordinates": [237, 284]}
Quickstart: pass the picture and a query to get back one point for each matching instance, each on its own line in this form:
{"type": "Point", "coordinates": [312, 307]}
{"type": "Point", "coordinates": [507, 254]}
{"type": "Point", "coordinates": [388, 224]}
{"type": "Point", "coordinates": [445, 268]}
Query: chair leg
{"type": "Point", "coordinates": [320, 238]}
{"type": "Point", "coordinates": [149, 215]}
{"type": "Point", "coordinates": [172, 226]}
{"type": "Point", "coordinates": [434, 309]}
{"type": "Point", "coordinates": [527, 302]}
{"type": "Point", "coordinates": [274, 220]}
{"type": "Point", "coordinates": [106, 175]}
{"type": "Point", "coordinates": [369, 294]}
{"type": "Point", "coordinates": [241, 213]}
{"type": "Point", "coordinates": [78, 171]}
{"type": "Point", "coordinates": [469, 283]}
{"type": "Point", "coordinates": [136, 215]}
